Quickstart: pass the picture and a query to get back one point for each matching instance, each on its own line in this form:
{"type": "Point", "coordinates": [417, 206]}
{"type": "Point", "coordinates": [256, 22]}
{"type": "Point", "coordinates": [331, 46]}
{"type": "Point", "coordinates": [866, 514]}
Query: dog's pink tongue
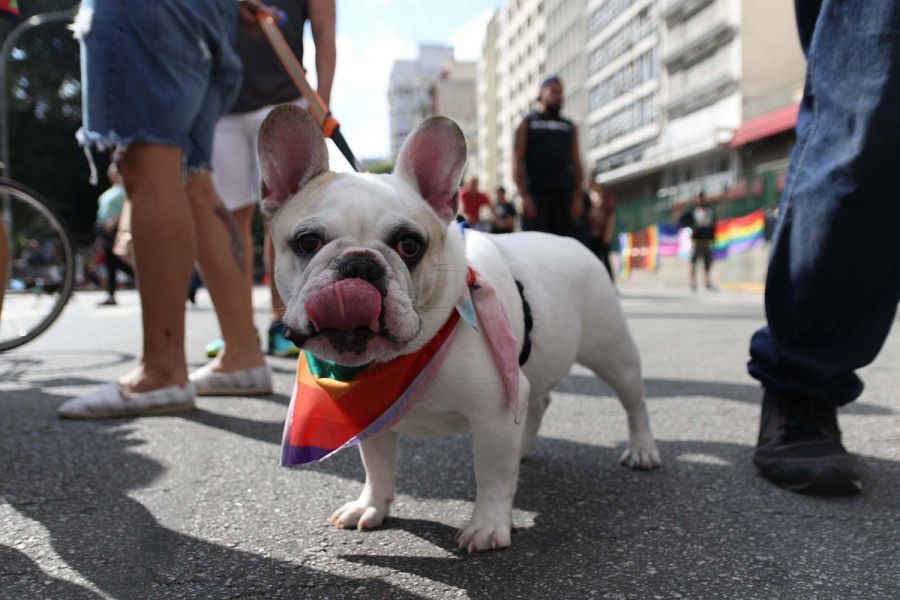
{"type": "Point", "coordinates": [346, 305]}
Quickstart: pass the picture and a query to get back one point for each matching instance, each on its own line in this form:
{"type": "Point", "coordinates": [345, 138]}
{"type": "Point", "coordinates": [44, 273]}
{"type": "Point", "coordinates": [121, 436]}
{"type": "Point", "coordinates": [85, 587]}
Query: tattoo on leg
{"type": "Point", "coordinates": [237, 241]}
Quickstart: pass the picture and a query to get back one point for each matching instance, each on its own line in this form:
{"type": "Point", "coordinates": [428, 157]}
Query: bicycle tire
{"type": "Point", "coordinates": [41, 205]}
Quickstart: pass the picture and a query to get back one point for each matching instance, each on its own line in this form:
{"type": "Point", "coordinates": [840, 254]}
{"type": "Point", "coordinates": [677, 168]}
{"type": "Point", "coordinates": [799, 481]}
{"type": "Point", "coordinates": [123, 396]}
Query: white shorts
{"type": "Point", "coordinates": [234, 165]}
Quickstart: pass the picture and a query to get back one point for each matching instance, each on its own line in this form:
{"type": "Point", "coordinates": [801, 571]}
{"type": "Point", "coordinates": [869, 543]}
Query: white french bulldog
{"type": "Point", "coordinates": [397, 234]}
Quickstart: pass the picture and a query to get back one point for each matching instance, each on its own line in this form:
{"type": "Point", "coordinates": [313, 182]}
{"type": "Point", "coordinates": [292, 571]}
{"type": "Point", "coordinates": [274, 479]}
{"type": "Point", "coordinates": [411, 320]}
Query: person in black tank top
{"type": "Point", "coordinates": [547, 167]}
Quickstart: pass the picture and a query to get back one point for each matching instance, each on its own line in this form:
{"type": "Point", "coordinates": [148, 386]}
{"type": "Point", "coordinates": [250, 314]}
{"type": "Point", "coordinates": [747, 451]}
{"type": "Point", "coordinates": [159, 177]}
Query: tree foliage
{"type": "Point", "coordinates": [44, 98]}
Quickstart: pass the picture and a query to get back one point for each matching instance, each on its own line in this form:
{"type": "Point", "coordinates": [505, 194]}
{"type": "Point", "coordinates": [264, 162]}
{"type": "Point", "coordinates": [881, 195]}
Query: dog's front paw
{"type": "Point", "coordinates": [360, 514]}
{"type": "Point", "coordinates": [482, 533]}
{"type": "Point", "coordinates": [642, 453]}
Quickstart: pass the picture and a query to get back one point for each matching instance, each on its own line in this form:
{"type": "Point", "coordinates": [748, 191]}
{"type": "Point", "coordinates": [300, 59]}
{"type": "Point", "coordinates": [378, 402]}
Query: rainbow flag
{"type": "Point", "coordinates": [639, 250]}
{"type": "Point", "coordinates": [668, 240]}
{"type": "Point", "coordinates": [734, 236]}
{"type": "Point", "coordinates": [328, 414]}
{"type": "Point", "coordinates": [625, 247]}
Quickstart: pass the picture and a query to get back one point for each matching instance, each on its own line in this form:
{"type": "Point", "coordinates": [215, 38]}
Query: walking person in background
{"type": "Point", "coordinates": [471, 201]}
{"type": "Point", "coordinates": [157, 104]}
{"type": "Point", "coordinates": [601, 223]}
{"type": "Point", "coordinates": [109, 210]}
{"type": "Point", "coordinates": [834, 272]}
{"type": "Point", "coordinates": [235, 169]}
{"type": "Point", "coordinates": [547, 166]}
{"type": "Point", "coordinates": [504, 213]}
{"type": "Point", "coordinates": [701, 218]}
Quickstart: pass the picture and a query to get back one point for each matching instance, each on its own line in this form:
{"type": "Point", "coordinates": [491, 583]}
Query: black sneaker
{"type": "Point", "coordinates": [799, 447]}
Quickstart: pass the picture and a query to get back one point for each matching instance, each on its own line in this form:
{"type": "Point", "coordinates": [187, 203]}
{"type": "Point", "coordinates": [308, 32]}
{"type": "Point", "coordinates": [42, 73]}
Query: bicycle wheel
{"type": "Point", "coordinates": [41, 265]}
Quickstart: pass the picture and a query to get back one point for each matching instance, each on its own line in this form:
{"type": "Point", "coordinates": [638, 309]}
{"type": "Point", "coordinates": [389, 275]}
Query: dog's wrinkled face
{"type": "Point", "coordinates": [360, 259]}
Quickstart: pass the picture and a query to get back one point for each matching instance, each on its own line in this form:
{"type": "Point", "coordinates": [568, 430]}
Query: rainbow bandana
{"type": "Point", "coordinates": [333, 407]}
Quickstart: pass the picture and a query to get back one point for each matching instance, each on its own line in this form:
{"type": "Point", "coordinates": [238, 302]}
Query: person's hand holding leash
{"type": "Point", "coordinates": [248, 10]}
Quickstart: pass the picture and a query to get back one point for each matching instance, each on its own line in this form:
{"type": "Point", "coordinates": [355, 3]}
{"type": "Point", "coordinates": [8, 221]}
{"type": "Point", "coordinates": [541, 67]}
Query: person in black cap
{"type": "Point", "coordinates": [547, 166]}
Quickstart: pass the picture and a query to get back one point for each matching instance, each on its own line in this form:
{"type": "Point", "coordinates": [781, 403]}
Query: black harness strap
{"type": "Point", "coordinates": [529, 323]}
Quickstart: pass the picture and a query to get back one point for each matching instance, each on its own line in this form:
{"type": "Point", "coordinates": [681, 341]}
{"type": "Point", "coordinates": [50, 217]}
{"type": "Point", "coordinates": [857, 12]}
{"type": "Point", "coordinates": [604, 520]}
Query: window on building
{"type": "Point", "coordinates": [605, 13]}
{"type": "Point", "coordinates": [630, 118]}
{"type": "Point", "coordinates": [637, 72]}
{"type": "Point", "coordinates": [622, 40]}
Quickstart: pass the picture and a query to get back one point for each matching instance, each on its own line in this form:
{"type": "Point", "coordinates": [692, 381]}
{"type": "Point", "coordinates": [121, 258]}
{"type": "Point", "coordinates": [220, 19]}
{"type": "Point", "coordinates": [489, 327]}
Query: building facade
{"type": "Point", "coordinates": [409, 90]}
{"type": "Point", "coordinates": [566, 35]}
{"type": "Point", "coordinates": [454, 95]}
{"type": "Point", "coordinates": [521, 53]}
{"type": "Point", "coordinates": [486, 160]}
{"type": "Point", "coordinates": [672, 87]}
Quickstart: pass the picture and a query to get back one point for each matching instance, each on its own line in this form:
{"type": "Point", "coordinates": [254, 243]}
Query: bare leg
{"type": "Point", "coordinates": [222, 261]}
{"type": "Point", "coordinates": [379, 456]}
{"type": "Point", "coordinates": [244, 219]}
{"type": "Point", "coordinates": [163, 232]}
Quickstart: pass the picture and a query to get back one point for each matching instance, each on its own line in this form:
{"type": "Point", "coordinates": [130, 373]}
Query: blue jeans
{"type": "Point", "coordinates": [157, 71]}
{"type": "Point", "coordinates": [834, 274]}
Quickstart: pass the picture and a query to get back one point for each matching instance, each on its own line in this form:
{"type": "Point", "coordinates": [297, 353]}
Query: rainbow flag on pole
{"type": "Point", "coordinates": [734, 236]}
{"type": "Point", "coordinates": [639, 250]}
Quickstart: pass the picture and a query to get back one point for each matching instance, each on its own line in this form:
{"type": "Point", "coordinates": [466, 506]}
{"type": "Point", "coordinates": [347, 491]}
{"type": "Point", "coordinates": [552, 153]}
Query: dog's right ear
{"type": "Point", "coordinates": [291, 151]}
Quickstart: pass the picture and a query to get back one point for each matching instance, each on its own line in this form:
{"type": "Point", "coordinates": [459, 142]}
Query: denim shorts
{"type": "Point", "coordinates": [157, 71]}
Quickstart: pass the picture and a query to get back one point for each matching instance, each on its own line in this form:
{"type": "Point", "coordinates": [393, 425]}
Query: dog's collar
{"type": "Point", "coordinates": [333, 407]}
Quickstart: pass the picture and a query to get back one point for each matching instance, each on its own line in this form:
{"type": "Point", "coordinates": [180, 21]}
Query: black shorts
{"type": "Point", "coordinates": [702, 251]}
{"type": "Point", "coordinates": [553, 213]}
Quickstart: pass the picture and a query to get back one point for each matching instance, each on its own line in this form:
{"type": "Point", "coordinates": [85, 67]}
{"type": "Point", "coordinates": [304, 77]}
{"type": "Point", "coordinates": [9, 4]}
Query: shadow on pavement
{"type": "Point", "coordinates": [20, 577]}
{"type": "Point", "coordinates": [588, 385]}
{"type": "Point", "coordinates": [16, 365]}
{"type": "Point", "coordinates": [585, 385]}
{"type": "Point", "coordinates": [700, 529]}
{"type": "Point", "coordinates": [703, 526]}
{"type": "Point", "coordinates": [74, 478]}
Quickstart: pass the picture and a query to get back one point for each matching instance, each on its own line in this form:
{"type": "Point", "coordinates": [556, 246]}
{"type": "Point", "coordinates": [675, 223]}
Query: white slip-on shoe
{"type": "Point", "coordinates": [109, 401]}
{"type": "Point", "coordinates": [255, 381]}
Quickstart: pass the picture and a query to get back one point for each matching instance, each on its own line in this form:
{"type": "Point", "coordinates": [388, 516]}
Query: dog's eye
{"type": "Point", "coordinates": [408, 247]}
{"type": "Point", "coordinates": [309, 243]}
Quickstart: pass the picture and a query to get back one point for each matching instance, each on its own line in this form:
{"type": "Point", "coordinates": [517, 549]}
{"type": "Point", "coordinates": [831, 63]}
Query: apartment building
{"type": "Point", "coordinates": [771, 86]}
{"type": "Point", "coordinates": [486, 160]}
{"type": "Point", "coordinates": [454, 95]}
{"type": "Point", "coordinates": [623, 90]}
{"type": "Point", "coordinates": [521, 53]}
{"type": "Point", "coordinates": [685, 95]}
{"type": "Point", "coordinates": [566, 35]}
{"type": "Point", "coordinates": [700, 52]}
{"type": "Point", "coordinates": [409, 90]}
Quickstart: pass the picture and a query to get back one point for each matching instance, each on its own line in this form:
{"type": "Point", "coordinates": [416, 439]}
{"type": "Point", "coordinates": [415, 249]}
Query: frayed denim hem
{"type": "Point", "coordinates": [94, 140]}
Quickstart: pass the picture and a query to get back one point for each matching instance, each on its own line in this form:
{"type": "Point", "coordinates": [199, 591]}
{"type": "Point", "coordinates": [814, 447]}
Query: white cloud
{"type": "Point", "coordinates": [359, 94]}
{"type": "Point", "coordinates": [468, 37]}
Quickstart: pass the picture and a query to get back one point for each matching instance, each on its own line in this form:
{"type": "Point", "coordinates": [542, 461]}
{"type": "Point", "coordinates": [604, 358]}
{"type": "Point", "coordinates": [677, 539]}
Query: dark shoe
{"type": "Point", "coordinates": [799, 447]}
{"type": "Point", "coordinates": [110, 301]}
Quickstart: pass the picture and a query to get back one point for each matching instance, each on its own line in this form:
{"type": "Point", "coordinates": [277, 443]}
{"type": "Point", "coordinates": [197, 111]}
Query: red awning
{"type": "Point", "coordinates": [765, 125]}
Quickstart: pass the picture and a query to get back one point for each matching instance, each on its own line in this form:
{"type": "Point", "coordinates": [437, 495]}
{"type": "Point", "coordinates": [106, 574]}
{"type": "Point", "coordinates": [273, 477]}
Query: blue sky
{"type": "Point", "coordinates": [371, 34]}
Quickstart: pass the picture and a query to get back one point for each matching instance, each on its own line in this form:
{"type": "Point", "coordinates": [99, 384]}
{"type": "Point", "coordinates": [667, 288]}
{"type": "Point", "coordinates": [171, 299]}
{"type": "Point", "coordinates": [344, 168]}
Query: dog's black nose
{"type": "Point", "coordinates": [360, 267]}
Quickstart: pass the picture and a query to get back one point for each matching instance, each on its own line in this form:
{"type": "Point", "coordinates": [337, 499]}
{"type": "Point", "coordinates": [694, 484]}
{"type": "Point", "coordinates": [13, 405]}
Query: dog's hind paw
{"type": "Point", "coordinates": [482, 534]}
{"type": "Point", "coordinates": [359, 514]}
{"type": "Point", "coordinates": [643, 455]}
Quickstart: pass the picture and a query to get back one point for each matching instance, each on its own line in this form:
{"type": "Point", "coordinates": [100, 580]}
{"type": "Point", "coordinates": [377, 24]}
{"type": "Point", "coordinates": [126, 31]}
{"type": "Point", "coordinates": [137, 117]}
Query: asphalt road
{"type": "Point", "coordinates": [195, 506]}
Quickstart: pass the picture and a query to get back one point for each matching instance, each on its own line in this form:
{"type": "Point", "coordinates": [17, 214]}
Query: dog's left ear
{"type": "Point", "coordinates": [291, 151]}
{"type": "Point", "coordinates": [432, 160]}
